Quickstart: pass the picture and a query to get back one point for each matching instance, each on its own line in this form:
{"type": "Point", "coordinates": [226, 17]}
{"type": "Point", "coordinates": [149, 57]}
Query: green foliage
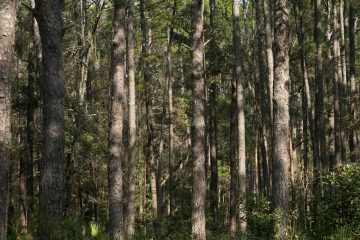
{"type": "Point", "coordinates": [340, 206]}
{"type": "Point", "coordinates": [261, 219]}
{"type": "Point", "coordinates": [343, 233]}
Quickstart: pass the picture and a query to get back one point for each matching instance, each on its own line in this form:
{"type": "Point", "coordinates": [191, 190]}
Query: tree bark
{"type": "Point", "coordinates": [240, 114]}
{"type": "Point", "coordinates": [48, 14]}
{"type": "Point", "coordinates": [337, 78]}
{"type": "Point", "coordinates": [198, 122]}
{"type": "Point", "coordinates": [233, 223]}
{"type": "Point", "coordinates": [213, 128]}
{"type": "Point", "coordinates": [130, 212]}
{"type": "Point", "coordinates": [269, 53]}
{"type": "Point", "coordinates": [281, 127]}
{"type": "Point", "coordinates": [170, 111]}
{"type": "Point", "coordinates": [343, 83]}
{"type": "Point", "coordinates": [117, 103]}
{"type": "Point", "coordinates": [7, 40]}
{"type": "Point", "coordinates": [353, 90]}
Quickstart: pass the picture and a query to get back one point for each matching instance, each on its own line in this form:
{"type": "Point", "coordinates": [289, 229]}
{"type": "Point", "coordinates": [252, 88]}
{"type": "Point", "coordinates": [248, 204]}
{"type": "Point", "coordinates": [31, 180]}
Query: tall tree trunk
{"type": "Point", "coordinates": [170, 111]}
{"type": "Point", "coordinates": [269, 53]}
{"type": "Point", "coordinates": [130, 211]}
{"type": "Point", "coordinates": [343, 83]}
{"type": "Point", "coordinates": [233, 164]}
{"type": "Point", "coordinates": [198, 122]}
{"type": "Point", "coordinates": [161, 145]}
{"type": "Point", "coordinates": [353, 90]}
{"type": "Point", "coordinates": [267, 116]}
{"type": "Point", "coordinates": [213, 128]}
{"type": "Point", "coordinates": [7, 40]}
{"type": "Point", "coordinates": [319, 142]}
{"type": "Point", "coordinates": [281, 127]}
{"type": "Point", "coordinates": [23, 157]}
{"type": "Point", "coordinates": [52, 163]}
{"type": "Point", "coordinates": [337, 78]}
{"type": "Point", "coordinates": [240, 113]}
{"type": "Point", "coordinates": [149, 113]}
{"type": "Point", "coordinates": [117, 103]}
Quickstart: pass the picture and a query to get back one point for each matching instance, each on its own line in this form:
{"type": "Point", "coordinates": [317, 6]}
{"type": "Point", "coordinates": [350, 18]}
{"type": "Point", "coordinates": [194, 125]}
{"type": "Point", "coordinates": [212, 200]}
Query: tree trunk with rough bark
{"type": "Point", "coordinates": [353, 89]}
{"type": "Point", "coordinates": [240, 103]}
{"type": "Point", "coordinates": [281, 128]}
{"type": "Point", "coordinates": [48, 14]}
{"type": "Point", "coordinates": [130, 210]}
{"type": "Point", "coordinates": [170, 112]}
{"type": "Point", "coordinates": [233, 223]}
{"type": "Point", "coordinates": [337, 79]}
{"type": "Point", "coordinates": [269, 53]}
{"type": "Point", "coordinates": [7, 40]}
{"type": "Point", "coordinates": [213, 129]}
{"type": "Point", "coordinates": [117, 103]}
{"type": "Point", "coordinates": [198, 122]}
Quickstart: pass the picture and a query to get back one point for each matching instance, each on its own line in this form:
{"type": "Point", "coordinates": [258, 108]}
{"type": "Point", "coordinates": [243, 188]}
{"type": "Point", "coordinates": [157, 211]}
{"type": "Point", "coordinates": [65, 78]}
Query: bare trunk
{"type": "Point", "coordinates": [281, 115]}
{"type": "Point", "coordinates": [8, 18]}
{"type": "Point", "coordinates": [343, 83]}
{"type": "Point", "coordinates": [7, 40]}
{"type": "Point", "coordinates": [52, 164]}
{"type": "Point", "coordinates": [240, 103]}
{"type": "Point", "coordinates": [353, 89]}
{"type": "Point", "coordinates": [213, 128]}
{"type": "Point", "coordinates": [198, 123]}
{"type": "Point", "coordinates": [170, 111]}
{"type": "Point", "coordinates": [233, 164]}
{"type": "Point", "coordinates": [130, 210]}
{"type": "Point", "coordinates": [337, 78]}
{"type": "Point", "coordinates": [269, 53]}
{"type": "Point", "coordinates": [117, 103]}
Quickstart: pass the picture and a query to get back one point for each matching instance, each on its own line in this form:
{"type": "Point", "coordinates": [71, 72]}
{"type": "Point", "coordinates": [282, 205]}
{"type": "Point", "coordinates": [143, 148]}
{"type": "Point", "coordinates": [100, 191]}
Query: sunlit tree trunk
{"type": "Point", "coordinates": [170, 112]}
{"type": "Point", "coordinates": [353, 89]}
{"type": "Point", "coordinates": [281, 154]}
{"type": "Point", "coordinates": [130, 210]}
{"type": "Point", "coordinates": [117, 103]}
{"type": "Point", "coordinates": [240, 103]}
{"type": "Point", "coordinates": [198, 122]}
{"type": "Point", "coordinates": [343, 82]}
{"type": "Point", "coordinates": [337, 78]}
